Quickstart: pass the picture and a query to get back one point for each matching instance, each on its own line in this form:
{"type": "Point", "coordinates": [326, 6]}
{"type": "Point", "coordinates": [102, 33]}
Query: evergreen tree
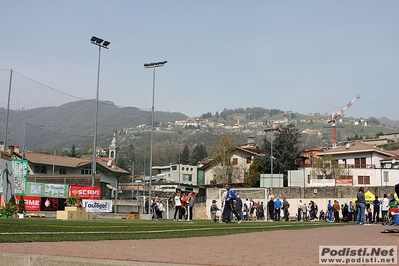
{"type": "Point", "coordinates": [286, 151]}
{"type": "Point", "coordinates": [185, 155]}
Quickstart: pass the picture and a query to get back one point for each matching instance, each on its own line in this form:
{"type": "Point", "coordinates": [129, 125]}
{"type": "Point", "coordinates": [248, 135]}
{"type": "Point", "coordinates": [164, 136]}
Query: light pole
{"type": "Point", "coordinates": [271, 131]}
{"type": "Point", "coordinates": [153, 66]}
{"type": "Point", "coordinates": [101, 44]}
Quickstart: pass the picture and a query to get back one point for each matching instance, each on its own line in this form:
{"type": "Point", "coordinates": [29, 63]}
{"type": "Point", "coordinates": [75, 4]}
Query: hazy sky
{"type": "Point", "coordinates": [304, 56]}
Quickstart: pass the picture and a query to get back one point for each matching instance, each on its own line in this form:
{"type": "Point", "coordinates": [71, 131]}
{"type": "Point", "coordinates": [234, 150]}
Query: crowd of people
{"type": "Point", "coordinates": [182, 202]}
{"type": "Point", "coordinates": [358, 211]}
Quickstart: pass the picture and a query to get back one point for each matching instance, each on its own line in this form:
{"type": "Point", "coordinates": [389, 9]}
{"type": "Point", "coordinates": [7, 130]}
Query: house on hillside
{"type": "Point", "coordinates": [366, 165]}
{"type": "Point", "coordinates": [241, 159]}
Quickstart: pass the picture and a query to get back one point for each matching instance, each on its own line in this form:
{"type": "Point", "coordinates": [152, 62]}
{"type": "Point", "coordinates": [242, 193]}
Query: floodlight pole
{"type": "Point", "coordinates": [153, 66]}
{"type": "Point", "coordinates": [8, 114]}
{"type": "Point", "coordinates": [271, 157]}
{"type": "Point", "coordinates": [101, 44]}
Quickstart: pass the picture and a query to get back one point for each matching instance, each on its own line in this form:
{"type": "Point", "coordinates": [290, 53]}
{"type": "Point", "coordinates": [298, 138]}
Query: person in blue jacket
{"type": "Point", "coordinates": [231, 195]}
{"type": "Point", "coordinates": [277, 209]}
{"type": "Point", "coordinates": [330, 211]}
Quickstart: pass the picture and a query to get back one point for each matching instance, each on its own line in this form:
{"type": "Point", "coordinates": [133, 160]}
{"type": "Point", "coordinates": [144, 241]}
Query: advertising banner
{"type": "Point", "coordinates": [344, 182]}
{"type": "Point", "coordinates": [322, 182]}
{"type": "Point", "coordinates": [52, 204]}
{"type": "Point", "coordinates": [97, 205]}
{"type": "Point", "coordinates": [20, 169]}
{"type": "Point", "coordinates": [7, 179]}
{"type": "Point", "coordinates": [56, 190]}
{"type": "Point", "coordinates": [31, 203]}
{"type": "Point", "coordinates": [47, 190]}
{"type": "Point", "coordinates": [93, 193]}
{"type": "Point", "coordinates": [34, 189]}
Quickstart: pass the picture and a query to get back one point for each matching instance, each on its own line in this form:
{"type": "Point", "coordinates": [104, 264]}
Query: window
{"type": "Point", "coordinates": [363, 180]}
{"type": "Point", "coordinates": [235, 161]}
{"type": "Point", "coordinates": [187, 177]}
{"type": "Point", "coordinates": [360, 162]}
{"type": "Point", "coordinates": [62, 171]}
{"type": "Point", "coordinates": [40, 169]}
{"type": "Point", "coordinates": [249, 160]}
{"type": "Point", "coordinates": [86, 171]}
{"type": "Point", "coordinates": [174, 167]}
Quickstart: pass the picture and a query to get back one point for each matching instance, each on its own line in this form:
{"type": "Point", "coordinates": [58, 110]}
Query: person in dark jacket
{"type": "Point", "coordinates": [286, 206]}
{"type": "Point", "coordinates": [360, 206]}
{"type": "Point", "coordinates": [270, 208]}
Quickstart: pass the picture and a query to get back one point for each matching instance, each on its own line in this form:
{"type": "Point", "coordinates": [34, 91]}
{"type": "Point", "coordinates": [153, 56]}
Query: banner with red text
{"type": "Point", "coordinates": [32, 203]}
{"type": "Point", "coordinates": [93, 193]}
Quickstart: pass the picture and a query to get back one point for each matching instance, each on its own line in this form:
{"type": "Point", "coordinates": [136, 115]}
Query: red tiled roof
{"type": "Point", "coordinates": [357, 147]}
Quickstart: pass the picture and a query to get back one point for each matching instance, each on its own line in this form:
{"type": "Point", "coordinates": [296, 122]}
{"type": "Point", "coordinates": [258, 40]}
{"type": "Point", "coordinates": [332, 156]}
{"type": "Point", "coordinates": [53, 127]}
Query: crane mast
{"type": "Point", "coordinates": [332, 121]}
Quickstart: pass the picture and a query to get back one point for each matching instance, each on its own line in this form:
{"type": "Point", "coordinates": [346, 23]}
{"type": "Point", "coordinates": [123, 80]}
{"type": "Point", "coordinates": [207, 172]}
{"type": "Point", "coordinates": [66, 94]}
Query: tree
{"type": "Point", "coordinates": [185, 155]}
{"type": "Point", "coordinates": [221, 153]}
{"type": "Point", "coordinates": [73, 153]}
{"type": "Point", "coordinates": [253, 178]}
{"type": "Point", "coordinates": [327, 167]}
{"type": "Point", "coordinates": [286, 151]}
{"type": "Point", "coordinates": [199, 153]}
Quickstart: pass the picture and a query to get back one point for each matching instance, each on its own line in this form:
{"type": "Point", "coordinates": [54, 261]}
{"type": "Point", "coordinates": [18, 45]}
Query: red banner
{"type": "Point", "coordinates": [93, 193]}
{"type": "Point", "coordinates": [343, 182]}
{"type": "Point", "coordinates": [32, 203]}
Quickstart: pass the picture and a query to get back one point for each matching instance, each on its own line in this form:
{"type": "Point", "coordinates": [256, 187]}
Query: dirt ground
{"type": "Point", "coordinates": [285, 247]}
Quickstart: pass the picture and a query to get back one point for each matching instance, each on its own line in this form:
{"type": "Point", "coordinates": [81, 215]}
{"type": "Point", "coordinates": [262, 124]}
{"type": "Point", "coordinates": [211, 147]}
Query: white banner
{"type": "Point", "coordinates": [56, 190]}
{"type": "Point", "coordinates": [322, 182]}
{"type": "Point", "coordinates": [97, 205]}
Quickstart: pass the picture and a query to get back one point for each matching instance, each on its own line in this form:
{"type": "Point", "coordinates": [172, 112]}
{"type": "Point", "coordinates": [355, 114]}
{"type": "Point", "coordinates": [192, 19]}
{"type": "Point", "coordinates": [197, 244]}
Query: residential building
{"type": "Point", "coordinates": [365, 165]}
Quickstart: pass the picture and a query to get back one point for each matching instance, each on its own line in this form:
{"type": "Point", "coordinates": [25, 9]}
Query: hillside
{"type": "Point", "coordinates": [57, 128]}
{"type": "Point", "coordinates": [73, 122]}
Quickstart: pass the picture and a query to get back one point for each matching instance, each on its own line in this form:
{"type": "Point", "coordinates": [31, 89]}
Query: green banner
{"type": "Point", "coordinates": [47, 190]}
{"type": "Point", "coordinates": [35, 189]}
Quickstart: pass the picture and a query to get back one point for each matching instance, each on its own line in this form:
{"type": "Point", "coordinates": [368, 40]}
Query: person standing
{"type": "Point", "coordinates": [238, 205]}
{"type": "Point", "coordinates": [270, 208]}
{"type": "Point", "coordinates": [384, 209]}
{"type": "Point", "coordinates": [336, 209]}
{"type": "Point", "coordinates": [189, 206]}
{"type": "Point", "coordinates": [304, 211]}
{"type": "Point", "coordinates": [330, 211]}
{"type": "Point", "coordinates": [229, 204]}
{"type": "Point", "coordinates": [361, 206]}
{"type": "Point", "coordinates": [286, 206]}
{"type": "Point", "coordinates": [177, 206]}
{"type": "Point", "coordinates": [213, 210]}
{"type": "Point", "coordinates": [277, 209]}
{"type": "Point", "coordinates": [376, 210]}
{"type": "Point", "coordinates": [350, 212]}
{"type": "Point", "coordinates": [299, 210]}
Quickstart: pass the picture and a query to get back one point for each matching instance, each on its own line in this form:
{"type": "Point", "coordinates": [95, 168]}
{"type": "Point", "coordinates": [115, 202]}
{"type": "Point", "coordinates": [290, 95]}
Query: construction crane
{"type": "Point", "coordinates": [335, 116]}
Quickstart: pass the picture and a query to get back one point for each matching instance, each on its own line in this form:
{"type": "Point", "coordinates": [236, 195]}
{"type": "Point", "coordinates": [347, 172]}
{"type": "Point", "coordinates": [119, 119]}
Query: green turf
{"type": "Point", "coordinates": [52, 230]}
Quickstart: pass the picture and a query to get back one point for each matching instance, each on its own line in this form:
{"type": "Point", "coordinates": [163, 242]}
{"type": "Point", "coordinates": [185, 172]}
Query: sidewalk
{"type": "Point", "coordinates": [297, 247]}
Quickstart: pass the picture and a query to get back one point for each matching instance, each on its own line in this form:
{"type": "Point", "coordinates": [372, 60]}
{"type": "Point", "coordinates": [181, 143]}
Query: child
{"type": "Point", "coordinates": [369, 216]}
{"type": "Point", "coordinates": [213, 210]}
{"type": "Point", "coordinates": [322, 216]}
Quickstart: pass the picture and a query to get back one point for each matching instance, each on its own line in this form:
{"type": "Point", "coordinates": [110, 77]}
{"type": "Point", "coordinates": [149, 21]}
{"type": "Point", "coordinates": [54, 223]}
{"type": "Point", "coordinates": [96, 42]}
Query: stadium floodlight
{"type": "Point", "coordinates": [101, 44]}
{"type": "Point", "coordinates": [153, 66]}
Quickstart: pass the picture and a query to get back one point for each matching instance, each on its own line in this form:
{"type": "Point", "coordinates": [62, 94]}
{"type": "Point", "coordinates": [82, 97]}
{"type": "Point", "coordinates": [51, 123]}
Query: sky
{"type": "Point", "coordinates": [301, 56]}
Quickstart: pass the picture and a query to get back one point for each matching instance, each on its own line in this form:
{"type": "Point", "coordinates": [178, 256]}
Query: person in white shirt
{"type": "Point", "coordinates": [384, 208]}
{"type": "Point", "coordinates": [178, 209]}
{"type": "Point", "coordinates": [299, 210]}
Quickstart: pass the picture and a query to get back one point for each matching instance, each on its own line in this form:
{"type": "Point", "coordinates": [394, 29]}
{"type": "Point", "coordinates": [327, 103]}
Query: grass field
{"type": "Point", "coordinates": [52, 230]}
